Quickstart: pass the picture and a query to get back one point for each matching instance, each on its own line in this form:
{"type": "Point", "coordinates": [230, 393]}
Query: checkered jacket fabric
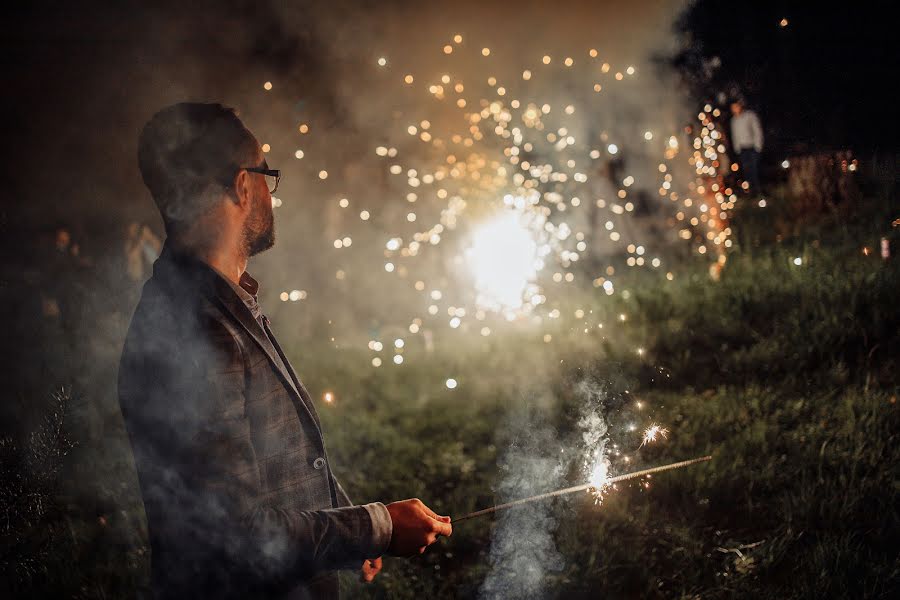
{"type": "Point", "coordinates": [237, 487]}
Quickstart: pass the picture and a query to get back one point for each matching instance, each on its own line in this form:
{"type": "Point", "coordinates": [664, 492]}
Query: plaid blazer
{"type": "Point", "coordinates": [237, 487]}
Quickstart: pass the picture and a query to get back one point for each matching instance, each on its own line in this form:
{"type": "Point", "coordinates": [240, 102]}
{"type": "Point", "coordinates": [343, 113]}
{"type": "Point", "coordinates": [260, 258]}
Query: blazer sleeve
{"type": "Point", "coordinates": [213, 480]}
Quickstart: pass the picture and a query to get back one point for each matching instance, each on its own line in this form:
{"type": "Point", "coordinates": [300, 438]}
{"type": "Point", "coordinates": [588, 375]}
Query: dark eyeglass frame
{"type": "Point", "coordinates": [276, 173]}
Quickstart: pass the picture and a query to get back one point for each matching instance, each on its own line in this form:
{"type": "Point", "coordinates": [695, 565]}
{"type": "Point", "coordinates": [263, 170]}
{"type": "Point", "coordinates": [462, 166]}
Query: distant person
{"type": "Point", "coordinates": [747, 141]}
{"type": "Point", "coordinates": [142, 248]}
{"type": "Point", "coordinates": [238, 488]}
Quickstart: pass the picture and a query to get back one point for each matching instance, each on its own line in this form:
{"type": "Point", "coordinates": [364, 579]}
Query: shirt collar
{"type": "Point", "coordinates": [246, 289]}
{"type": "Point", "coordinates": [248, 284]}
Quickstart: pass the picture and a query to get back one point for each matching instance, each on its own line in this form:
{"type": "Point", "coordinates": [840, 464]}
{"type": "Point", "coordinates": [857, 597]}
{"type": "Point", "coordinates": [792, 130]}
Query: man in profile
{"type": "Point", "coordinates": [238, 489]}
{"type": "Point", "coordinates": [747, 140]}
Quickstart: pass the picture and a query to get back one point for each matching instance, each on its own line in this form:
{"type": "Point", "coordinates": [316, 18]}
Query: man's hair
{"type": "Point", "coordinates": [189, 154]}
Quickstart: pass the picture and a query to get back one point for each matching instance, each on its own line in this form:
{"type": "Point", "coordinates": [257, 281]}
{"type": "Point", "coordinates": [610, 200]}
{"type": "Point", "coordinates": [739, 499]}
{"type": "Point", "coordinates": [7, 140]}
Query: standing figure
{"type": "Point", "coordinates": [747, 140]}
{"type": "Point", "coordinates": [238, 487]}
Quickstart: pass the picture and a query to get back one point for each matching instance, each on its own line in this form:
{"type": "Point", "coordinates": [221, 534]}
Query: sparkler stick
{"type": "Point", "coordinates": [580, 488]}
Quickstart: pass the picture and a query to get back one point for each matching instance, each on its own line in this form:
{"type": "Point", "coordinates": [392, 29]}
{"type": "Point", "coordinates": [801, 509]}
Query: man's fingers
{"type": "Point", "coordinates": [368, 572]}
{"type": "Point", "coordinates": [370, 569]}
{"type": "Point", "coordinates": [443, 528]}
{"type": "Point", "coordinates": [430, 512]}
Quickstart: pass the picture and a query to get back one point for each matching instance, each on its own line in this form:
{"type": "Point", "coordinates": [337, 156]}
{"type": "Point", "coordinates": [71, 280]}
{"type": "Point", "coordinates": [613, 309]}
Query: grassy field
{"type": "Point", "coordinates": [786, 374]}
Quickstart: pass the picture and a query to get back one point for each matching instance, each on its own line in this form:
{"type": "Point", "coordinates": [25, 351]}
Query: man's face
{"type": "Point", "coordinates": [736, 108]}
{"type": "Point", "coordinates": [259, 228]}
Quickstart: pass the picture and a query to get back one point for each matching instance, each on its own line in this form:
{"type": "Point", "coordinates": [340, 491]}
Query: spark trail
{"type": "Point", "coordinates": [580, 488]}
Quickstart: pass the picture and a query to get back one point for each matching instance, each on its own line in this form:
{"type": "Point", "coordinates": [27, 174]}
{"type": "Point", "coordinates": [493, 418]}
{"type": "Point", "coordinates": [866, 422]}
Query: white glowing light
{"type": "Point", "coordinates": [451, 384]}
{"type": "Point", "coordinates": [599, 473]}
{"type": "Point", "coordinates": [502, 258]}
{"type": "Point", "coordinates": [652, 432]}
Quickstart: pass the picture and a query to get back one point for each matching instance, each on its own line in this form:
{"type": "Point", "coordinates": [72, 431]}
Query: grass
{"type": "Point", "coordinates": [786, 374]}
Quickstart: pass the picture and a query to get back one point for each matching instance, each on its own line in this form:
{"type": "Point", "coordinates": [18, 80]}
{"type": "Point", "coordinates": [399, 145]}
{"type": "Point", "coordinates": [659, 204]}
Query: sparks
{"type": "Point", "coordinates": [652, 432]}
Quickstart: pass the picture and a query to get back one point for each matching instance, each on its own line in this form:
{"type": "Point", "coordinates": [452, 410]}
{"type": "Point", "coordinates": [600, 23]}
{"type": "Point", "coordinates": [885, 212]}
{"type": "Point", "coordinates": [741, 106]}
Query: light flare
{"type": "Point", "coordinates": [503, 258]}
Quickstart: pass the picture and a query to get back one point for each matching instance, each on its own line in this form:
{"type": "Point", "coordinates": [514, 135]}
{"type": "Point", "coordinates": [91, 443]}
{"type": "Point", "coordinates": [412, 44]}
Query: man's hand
{"type": "Point", "coordinates": [370, 568]}
{"type": "Point", "coordinates": [415, 527]}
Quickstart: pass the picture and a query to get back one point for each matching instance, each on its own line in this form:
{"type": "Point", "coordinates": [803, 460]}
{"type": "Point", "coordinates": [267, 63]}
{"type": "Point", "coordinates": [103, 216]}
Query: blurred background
{"type": "Point", "coordinates": [512, 238]}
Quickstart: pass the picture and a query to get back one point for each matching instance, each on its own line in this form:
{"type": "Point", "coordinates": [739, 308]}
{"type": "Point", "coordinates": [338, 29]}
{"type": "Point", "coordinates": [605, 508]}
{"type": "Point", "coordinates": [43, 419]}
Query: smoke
{"type": "Point", "coordinates": [523, 552]}
{"type": "Point", "coordinates": [522, 548]}
{"type": "Point", "coordinates": [594, 429]}
{"type": "Point", "coordinates": [321, 60]}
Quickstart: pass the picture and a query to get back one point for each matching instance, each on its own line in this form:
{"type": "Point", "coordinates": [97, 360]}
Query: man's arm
{"type": "Point", "coordinates": [284, 542]}
{"type": "Point", "coordinates": [278, 538]}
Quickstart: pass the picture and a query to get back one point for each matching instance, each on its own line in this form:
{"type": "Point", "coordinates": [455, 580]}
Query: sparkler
{"type": "Point", "coordinates": [581, 488]}
{"type": "Point", "coordinates": [652, 432]}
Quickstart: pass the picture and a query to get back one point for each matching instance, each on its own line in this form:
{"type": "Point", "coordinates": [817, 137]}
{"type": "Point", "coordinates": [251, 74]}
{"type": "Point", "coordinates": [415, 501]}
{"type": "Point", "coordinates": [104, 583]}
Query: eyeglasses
{"type": "Point", "coordinates": [273, 176]}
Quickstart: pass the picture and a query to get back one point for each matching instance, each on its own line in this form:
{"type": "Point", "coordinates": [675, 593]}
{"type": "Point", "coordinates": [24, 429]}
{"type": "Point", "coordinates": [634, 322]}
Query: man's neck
{"type": "Point", "coordinates": [226, 259]}
{"type": "Point", "coordinates": [231, 264]}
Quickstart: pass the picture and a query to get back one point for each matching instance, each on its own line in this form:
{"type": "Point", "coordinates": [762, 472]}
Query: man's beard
{"type": "Point", "coordinates": [259, 229]}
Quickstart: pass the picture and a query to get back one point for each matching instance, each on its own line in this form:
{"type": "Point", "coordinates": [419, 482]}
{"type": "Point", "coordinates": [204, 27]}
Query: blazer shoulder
{"type": "Point", "coordinates": [182, 325]}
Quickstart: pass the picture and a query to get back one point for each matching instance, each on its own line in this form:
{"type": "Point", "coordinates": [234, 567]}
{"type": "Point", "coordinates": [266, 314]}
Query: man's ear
{"type": "Point", "coordinates": [243, 193]}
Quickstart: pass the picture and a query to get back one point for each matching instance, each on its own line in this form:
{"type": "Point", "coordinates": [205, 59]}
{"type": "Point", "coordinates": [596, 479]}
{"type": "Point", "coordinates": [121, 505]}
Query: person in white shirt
{"type": "Point", "coordinates": [747, 140]}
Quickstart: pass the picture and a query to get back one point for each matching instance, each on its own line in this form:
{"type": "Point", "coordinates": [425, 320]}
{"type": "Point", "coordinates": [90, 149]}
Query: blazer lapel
{"type": "Point", "coordinates": [184, 270]}
{"type": "Point", "coordinates": [290, 369]}
{"type": "Point", "coordinates": [237, 309]}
